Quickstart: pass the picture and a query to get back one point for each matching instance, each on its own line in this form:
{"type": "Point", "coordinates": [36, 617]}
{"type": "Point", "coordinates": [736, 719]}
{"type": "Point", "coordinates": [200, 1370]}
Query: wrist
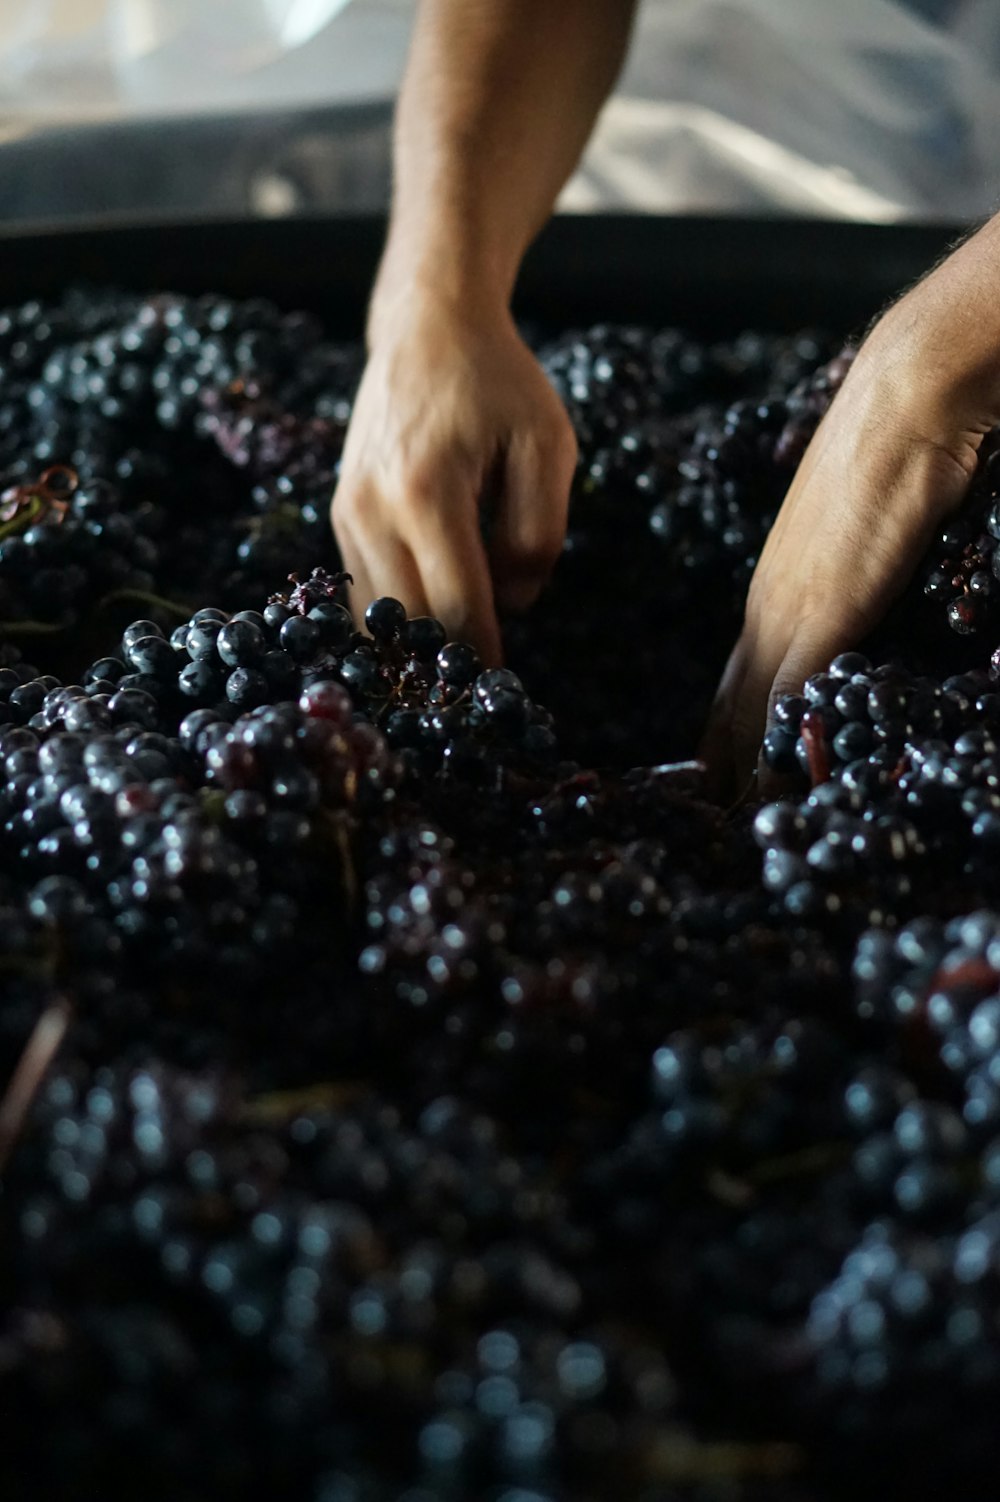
{"type": "Point", "coordinates": [445, 272]}
{"type": "Point", "coordinates": [941, 341]}
{"type": "Point", "coordinates": [419, 295]}
{"type": "Point", "coordinates": [940, 374]}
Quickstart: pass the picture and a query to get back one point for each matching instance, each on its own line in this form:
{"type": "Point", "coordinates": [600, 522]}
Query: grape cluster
{"type": "Point", "coordinates": [733, 474]}
{"type": "Point", "coordinates": [142, 396]}
{"type": "Point", "coordinates": [962, 569]}
{"type": "Point", "coordinates": [274, 1273]}
{"type": "Point", "coordinates": [904, 771]}
{"type": "Point", "coordinates": [679, 438]}
{"type": "Point", "coordinates": [66, 547]}
{"type": "Point", "coordinates": [631, 393]}
{"type": "Point", "coordinates": [412, 1093]}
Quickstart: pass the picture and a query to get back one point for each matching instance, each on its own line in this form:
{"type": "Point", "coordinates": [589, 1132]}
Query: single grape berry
{"type": "Point", "coordinates": [458, 664]}
{"type": "Point", "coordinates": [335, 623]}
{"type": "Point", "coordinates": [137, 630]}
{"type": "Point", "coordinates": [327, 700]}
{"type": "Point", "coordinates": [300, 638]}
{"type": "Point", "coordinates": [385, 618]}
{"type": "Point", "coordinates": [201, 682]}
{"type": "Point", "coordinates": [240, 643]}
{"type": "Point", "coordinates": [424, 637]}
{"type": "Point", "coordinates": [246, 688]}
{"type": "Point", "coordinates": [152, 655]}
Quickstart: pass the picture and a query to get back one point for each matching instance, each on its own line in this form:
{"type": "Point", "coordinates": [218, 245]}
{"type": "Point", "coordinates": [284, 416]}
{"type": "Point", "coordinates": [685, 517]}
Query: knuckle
{"type": "Point", "coordinates": [347, 506]}
{"type": "Point", "coordinates": [421, 486]}
{"type": "Point", "coordinates": [419, 492]}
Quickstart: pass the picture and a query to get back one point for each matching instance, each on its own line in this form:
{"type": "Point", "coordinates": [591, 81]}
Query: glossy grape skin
{"type": "Point", "coordinates": [615, 1110]}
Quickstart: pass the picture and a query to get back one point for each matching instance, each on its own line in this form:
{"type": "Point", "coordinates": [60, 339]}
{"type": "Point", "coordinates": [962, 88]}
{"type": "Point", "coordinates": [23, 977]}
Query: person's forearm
{"type": "Point", "coordinates": [496, 106]}
{"type": "Point", "coordinates": [954, 328]}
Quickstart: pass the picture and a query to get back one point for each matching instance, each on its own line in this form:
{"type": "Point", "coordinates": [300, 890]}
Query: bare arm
{"type": "Point", "coordinates": [497, 104]}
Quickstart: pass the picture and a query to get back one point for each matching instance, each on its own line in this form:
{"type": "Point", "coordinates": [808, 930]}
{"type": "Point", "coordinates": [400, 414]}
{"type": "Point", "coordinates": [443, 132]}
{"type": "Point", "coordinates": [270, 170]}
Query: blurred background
{"type": "Point", "coordinates": [878, 110]}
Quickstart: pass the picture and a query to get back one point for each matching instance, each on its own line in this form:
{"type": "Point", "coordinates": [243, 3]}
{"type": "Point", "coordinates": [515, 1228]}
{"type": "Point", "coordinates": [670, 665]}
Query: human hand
{"type": "Point", "coordinates": [892, 457]}
{"type": "Point", "coordinates": [453, 413]}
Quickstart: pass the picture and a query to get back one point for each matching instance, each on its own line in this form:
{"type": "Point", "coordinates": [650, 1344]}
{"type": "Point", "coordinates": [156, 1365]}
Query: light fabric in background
{"type": "Point", "coordinates": [863, 109]}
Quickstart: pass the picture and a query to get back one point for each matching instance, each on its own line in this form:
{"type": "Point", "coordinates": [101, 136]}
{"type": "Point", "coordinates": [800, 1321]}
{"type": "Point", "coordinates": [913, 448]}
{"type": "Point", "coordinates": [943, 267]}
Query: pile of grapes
{"type": "Point", "coordinates": [412, 1089]}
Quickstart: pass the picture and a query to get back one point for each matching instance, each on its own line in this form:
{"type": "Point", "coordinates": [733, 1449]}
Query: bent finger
{"type": "Point", "coordinates": [360, 588]}
{"type": "Point", "coordinates": [530, 525]}
{"type": "Point", "coordinates": [447, 544]}
{"type": "Point", "coordinates": [389, 568]}
{"type": "Point", "coordinates": [378, 560]}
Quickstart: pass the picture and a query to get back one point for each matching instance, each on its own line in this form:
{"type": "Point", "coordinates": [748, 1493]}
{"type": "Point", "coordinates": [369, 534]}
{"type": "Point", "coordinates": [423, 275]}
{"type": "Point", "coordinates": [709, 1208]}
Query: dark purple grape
{"type": "Point", "coordinates": [385, 618]}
